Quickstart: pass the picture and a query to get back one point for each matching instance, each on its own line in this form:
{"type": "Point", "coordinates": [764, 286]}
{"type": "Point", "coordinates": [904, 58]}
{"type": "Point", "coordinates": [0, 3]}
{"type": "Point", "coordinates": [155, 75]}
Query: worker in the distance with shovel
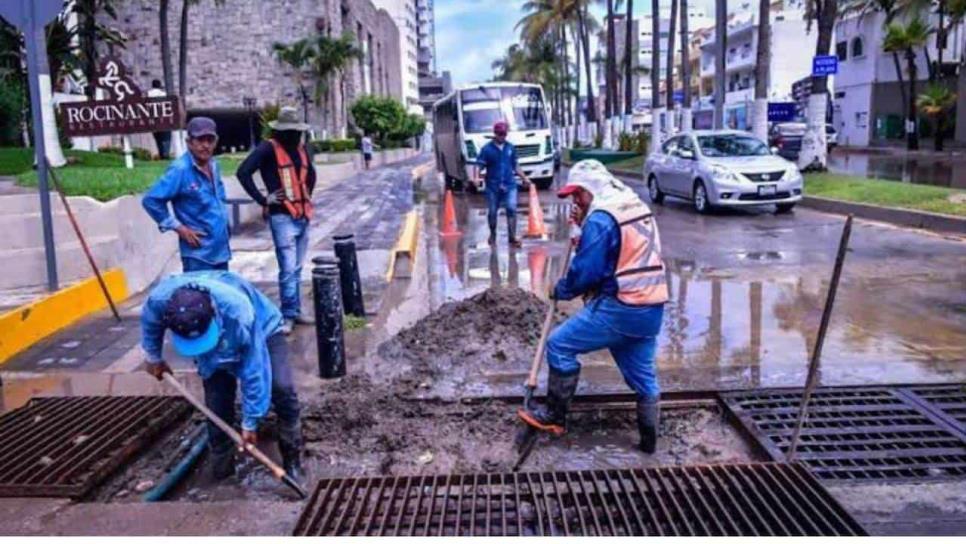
{"type": "Point", "coordinates": [618, 269]}
{"type": "Point", "coordinates": [232, 331]}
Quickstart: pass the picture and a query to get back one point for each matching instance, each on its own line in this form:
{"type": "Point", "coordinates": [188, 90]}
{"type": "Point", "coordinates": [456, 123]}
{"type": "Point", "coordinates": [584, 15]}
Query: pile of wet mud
{"type": "Point", "coordinates": [497, 329]}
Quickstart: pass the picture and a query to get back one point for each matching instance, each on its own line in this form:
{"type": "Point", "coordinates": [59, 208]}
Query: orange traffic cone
{"type": "Point", "coordinates": [449, 216]}
{"type": "Point", "coordinates": [535, 226]}
{"type": "Point", "coordinates": [537, 263]}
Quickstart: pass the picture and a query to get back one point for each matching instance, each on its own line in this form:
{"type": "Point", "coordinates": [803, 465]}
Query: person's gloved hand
{"type": "Point", "coordinates": [248, 437]}
{"type": "Point", "coordinates": [158, 369]}
{"type": "Point", "coordinates": [277, 197]}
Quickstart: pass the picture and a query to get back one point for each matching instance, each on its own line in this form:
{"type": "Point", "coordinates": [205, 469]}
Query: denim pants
{"type": "Point", "coordinates": [291, 241]}
{"type": "Point", "coordinates": [629, 332]}
{"type": "Point", "coordinates": [496, 198]}
{"type": "Point", "coordinates": [220, 389]}
{"type": "Point", "coordinates": [190, 264]}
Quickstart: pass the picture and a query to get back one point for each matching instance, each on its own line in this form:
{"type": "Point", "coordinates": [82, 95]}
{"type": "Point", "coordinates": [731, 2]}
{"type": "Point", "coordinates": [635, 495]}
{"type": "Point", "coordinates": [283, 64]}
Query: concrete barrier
{"type": "Point", "coordinates": [896, 216]}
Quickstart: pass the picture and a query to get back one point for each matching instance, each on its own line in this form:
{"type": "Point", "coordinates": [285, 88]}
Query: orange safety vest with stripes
{"type": "Point", "coordinates": [640, 271]}
{"type": "Point", "coordinates": [298, 200]}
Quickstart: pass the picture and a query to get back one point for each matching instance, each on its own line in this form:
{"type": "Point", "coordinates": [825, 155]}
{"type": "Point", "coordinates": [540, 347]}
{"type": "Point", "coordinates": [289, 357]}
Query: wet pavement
{"type": "Point", "coordinates": [896, 165]}
{"type": "Point", "coordinates": [747, 292]}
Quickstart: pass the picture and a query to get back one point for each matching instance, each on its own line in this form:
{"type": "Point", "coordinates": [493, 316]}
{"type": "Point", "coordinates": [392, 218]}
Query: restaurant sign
{"type": "Point", "coordinates": [127, 110]}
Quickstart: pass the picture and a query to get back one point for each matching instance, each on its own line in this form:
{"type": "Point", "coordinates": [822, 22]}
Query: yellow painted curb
{"type": "Point", "coordinates": [405, 248]}
{"type": "Point", "coordinates": [23, 327]}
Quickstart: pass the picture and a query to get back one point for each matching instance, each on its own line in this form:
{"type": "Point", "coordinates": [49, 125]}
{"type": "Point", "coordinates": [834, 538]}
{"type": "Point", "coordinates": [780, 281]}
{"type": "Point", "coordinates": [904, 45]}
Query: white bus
{"type": "Point", "coordinates": [463, 122]}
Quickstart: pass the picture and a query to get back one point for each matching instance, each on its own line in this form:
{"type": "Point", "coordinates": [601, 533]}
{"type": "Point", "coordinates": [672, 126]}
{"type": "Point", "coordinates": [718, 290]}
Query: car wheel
{"type": "Point", "coordinates": [653, 191]}
{"type": "Point", "coordinates": [784, 208]}
{"type": "Point", "coordinates": [700, 198]}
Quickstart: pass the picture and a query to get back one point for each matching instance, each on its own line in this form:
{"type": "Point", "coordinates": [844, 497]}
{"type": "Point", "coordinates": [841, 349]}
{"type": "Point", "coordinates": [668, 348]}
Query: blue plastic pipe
{"type": "Point", "coordinates": [180, 470]}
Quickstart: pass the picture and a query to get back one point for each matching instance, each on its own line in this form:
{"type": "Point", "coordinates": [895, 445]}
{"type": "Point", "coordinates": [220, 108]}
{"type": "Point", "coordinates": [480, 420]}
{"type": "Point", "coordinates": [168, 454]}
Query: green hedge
{"type": "Point", "coordinates": [334, 145]}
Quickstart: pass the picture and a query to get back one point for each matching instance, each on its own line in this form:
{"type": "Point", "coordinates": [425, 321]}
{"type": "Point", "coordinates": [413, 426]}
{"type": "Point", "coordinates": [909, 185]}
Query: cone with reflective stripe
{"type": "Point", "coordinates": [535, 225]}
{"type": "Point", "coordinates": [449, 216]}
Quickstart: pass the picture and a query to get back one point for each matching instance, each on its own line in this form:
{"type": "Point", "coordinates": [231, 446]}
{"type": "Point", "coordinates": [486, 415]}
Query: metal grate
{"type": "Point", "coordinates": [745, 499]}
{"type": "Point", "coordinates": [945, 401]}
{"type": "Point", "coordinates": [63, 447]}
{"type": "Point", "coordinates": [855, 433]}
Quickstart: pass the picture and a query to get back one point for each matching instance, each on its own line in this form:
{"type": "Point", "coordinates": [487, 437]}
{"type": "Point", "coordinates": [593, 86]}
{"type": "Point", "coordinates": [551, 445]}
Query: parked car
{"type": "Point", "coordinates": [787, 138]}
{"type": "Point", "coordinates": [722, 168]}
{"type": "Point", "coordinates": [831, 136]}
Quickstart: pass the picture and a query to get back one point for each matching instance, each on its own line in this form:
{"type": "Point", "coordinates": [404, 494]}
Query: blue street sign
{"type": "Point", "coordinates": [781, 112]}
{"type": "Point", "coordinates": [678, 97]}
{"type": "Point", "coordinates": [825, 65]}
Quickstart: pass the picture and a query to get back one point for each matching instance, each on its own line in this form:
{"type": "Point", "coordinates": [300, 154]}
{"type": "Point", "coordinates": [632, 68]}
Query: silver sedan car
{"type": "Point", "coordinates": [722, 168]}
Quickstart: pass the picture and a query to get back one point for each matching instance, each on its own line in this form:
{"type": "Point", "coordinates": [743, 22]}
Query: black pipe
{"type": "Point", "coordinates": [327, 301]}
{"type": "Point", "coordinates": [345, 250]}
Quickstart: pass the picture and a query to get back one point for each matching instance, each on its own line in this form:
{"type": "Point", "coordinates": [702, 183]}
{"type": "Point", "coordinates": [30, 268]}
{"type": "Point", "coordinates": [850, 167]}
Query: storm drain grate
{"type": "Point", "coordinates": [743, 499]}
{"type": "Point", "coordinates": [946, 401]}
{"type": "Point", "coordinates": [864, 433]}
{"type": "Point", "coordinates": [63, 447]}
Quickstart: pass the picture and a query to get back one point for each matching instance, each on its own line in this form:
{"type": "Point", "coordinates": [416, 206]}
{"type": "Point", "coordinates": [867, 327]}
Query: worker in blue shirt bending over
{"type": "Point", "coordinates": [192, 185]}
{"type": "Point", "coordinates": [619, 270]}
{"type": "Point", "coordinates": [231, 330]}
{"type": "Point", "coordinates": [499, 158]}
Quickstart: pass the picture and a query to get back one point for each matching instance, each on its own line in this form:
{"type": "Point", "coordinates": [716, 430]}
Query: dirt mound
{"type": "Point", "coordinates": [497, 330]}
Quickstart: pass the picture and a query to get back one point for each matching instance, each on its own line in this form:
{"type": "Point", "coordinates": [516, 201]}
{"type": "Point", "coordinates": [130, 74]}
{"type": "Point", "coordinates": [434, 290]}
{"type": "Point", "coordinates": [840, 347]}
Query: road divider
{"type": "Point", "coordinates": [402, 260]}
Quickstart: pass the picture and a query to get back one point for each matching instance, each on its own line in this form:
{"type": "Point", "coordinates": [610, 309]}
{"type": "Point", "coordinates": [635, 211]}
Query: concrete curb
{"type": "Point", "coordinates": [403, 256]}
{"type": "Point", "coordinates": [22, 327]}
{"type": "Point", "coordinates": [896, 216]}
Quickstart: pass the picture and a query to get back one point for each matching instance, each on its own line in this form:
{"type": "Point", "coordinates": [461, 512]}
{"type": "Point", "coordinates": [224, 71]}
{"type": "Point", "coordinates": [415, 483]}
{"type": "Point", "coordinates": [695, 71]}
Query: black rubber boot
{"type": "Point", "coordinates": [511, 229]}
{"type": "Point", "coordinates": [648, 420]}
{"type": "Point", "coordinates": [552, 418]}
{"type": "Point", "coordinates": [222, 464]}
{"type": "Point", "coordinates": [290, 446]}
{"type": "Point", "coordinates": [492, 239]}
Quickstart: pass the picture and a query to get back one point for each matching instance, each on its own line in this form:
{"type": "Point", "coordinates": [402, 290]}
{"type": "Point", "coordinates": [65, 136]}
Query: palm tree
{"type": "Point", "coordinates": [331, 57]}
{"type": "Point", "coordinates": [814, 153]}
{"type": "Point", "coordinates": [669, 76]}
{"type": "Point", "coordinates": [297, 55]}
{"type": "Point", "coordinates": [166, 71]}
{"type": "Point", "coordinates": [610, 105]}
{"type": "Point", "coordinates": [720, 44]}
{"type": "Point", "coordinates": [656, 110]}
{"type": "Point", "coordinates": [685, 68]}
{"type": "Point", "coordinates": [906, 39]}
{"type": "Point", "coordinates": [585, 25]}
{"type": "Point", "coordinates": [762, 69]}
{"type": "Point", "coordinates": [628, 56]}
{"type": "Point", "coordinates": [935, 102]}
{"type": "Point", "coordinates": [90, 33]}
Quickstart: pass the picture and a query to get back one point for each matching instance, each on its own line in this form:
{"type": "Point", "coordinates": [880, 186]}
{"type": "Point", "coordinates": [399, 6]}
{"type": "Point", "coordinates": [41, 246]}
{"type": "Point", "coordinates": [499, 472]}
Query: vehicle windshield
{"type": "Point", "coordinates": [521, 107]}
{"type": "Point", "coordinates": [792, 128]}
{"type": "Point", "coordinates": [732, 145]}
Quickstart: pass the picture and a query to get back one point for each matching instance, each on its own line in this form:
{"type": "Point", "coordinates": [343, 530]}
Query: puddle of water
{"type": "Point", "coordinates": [919, 170]}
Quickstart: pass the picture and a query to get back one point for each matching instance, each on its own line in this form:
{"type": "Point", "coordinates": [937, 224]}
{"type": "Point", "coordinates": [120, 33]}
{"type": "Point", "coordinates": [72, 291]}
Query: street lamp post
{"type": "Point", "coordinates": [249, 103]}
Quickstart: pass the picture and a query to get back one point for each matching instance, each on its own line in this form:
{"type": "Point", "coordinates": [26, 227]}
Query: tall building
{"type": "Point", "coordinates": [403, 12]}
{"type": "Point", "coordinates": [425, 38]}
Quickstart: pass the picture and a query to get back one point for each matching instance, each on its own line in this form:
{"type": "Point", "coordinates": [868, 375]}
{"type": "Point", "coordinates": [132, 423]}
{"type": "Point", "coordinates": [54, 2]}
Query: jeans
{"type": "Point", "coordinates": [629, 332]}
{"type": "Point", "coordinates": [495, 198]}
{"type": "Point", "coordinates": [190, 264]}
{"type": "Point", "coordinates": [163, 141]}
{"type": "Point", "coordinates": [221, 386]}
{"type": "Point", "coordinates": [291, 241]}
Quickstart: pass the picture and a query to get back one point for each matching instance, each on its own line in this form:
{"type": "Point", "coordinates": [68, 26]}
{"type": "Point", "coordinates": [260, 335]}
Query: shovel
{"type": "Point", "coordinates": [277, 471]}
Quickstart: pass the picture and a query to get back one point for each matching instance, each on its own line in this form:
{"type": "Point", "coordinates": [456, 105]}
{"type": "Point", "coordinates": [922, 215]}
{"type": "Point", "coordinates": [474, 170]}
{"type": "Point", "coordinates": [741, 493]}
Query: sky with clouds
{"type": "Point", "coordinates": [471, 34]}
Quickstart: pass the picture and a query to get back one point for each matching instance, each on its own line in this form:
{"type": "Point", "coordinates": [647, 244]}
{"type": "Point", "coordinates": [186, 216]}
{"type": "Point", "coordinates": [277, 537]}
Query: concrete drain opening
{"type": "Point", "coordinates": [861, 433]}
{"type": "Point", "coordinates": [741, 499]}
{"type": "Point", "coordinates": [63, 447]}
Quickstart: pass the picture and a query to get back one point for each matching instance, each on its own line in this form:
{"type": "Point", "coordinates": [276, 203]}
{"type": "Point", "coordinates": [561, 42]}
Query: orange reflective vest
{"type": "Point", "coordinates": [640, 269]}
{"type": "Point", "coordinates": [298, 200]}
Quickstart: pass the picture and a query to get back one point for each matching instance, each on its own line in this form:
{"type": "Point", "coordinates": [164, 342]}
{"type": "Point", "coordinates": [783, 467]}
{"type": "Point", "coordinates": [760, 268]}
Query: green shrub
{"type": "Point", "coordinates": [334, 145]}
{"type": "Point", "coordinates": [268, 114]}
{"type": "Point", "coordinates": [140, 154]}
{"type": "Point", "coordinates": [633, 142]}
{"type": "Point", "coordinates": [12, 102]}
{"type": "Point", "coordinates": [386, 119]}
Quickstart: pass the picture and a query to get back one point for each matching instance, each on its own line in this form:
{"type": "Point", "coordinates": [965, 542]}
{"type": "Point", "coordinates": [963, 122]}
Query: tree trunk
{"type": "Point", "coordinates": [55, 155]}
{"type": "Point", "coordinates": [685, 68]}
{"type": "Point", "coordinates": [611, 66]}
{"type": "Point", "coordinates": [629, 55]}
{"type": "Point", "coordinates": [669, 74]}
{"type": "Point", "coordinates": [762, 65]}
{"type": "Point", "coordinates": [912, 128]}
{"type": "Point", "coordinates": [585, 44]}
{"type": "Point", "coordinates": [720, 43]}
{"type": "Point", "coordinates": [183, 50]}
{"type": "Point", "coordinates": [900, 77]}
{"type": "Point", "coordinates": [938, 138]}
{"type": "Point", "coordinates": [576, 118]}
{"type": "Point", "coordinates": [656, 110]}
{"type": "Point", "coordinates": [89, 41]}
{"type": "Point", "coordinates": [814, 152]}
{"type": "Point", "coordinates": [165, 47]}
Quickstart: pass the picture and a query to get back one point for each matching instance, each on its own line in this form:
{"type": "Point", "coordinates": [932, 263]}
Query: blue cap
{"type": "Point", "coordinates": [201, 126]}
{"type": "Point", "coordinates": [191, 317]}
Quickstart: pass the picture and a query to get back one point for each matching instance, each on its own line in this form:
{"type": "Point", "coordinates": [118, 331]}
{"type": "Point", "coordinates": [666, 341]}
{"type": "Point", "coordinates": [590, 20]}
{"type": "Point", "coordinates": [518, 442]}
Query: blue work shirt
{"type": "Point", "coordinates": [501, 166]}
{"type": "Point", "coordinates": [247, 319]}
{"type": "Point", "coordinates": [593, 265]}
{"type": "Point", "coordinates": [199, 204]}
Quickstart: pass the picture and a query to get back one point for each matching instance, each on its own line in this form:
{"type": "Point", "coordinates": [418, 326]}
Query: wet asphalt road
{"type": "Point", "coordinates": [747, 291]}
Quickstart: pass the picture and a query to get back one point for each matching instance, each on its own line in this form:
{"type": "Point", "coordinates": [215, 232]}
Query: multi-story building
{"type": "Point", "coordinates": [792, 49]}
{"type": "Point", "coordinates": [230, 57]}
{"type": "Point", "coordinates": [868, 106]}
{"type": "Point", "coordinates": [403, 12]}
{"type": "Point", "coordinates": [425, 38]}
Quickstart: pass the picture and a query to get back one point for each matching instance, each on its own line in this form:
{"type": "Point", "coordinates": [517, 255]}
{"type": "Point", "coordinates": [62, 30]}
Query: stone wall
{"type": "Point", "coordinates": [230, 51]}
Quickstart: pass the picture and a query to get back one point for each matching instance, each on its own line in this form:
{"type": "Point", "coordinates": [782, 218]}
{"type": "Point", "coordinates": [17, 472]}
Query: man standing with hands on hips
{"type": "Point", "coordinates": [192, 185]}
{"type": "Point", "coordinates": [499, 158]}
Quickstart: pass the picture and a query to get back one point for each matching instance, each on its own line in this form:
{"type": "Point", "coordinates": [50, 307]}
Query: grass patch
{"type": "Point", "coordinates": [351, 322]}
{"type": "Point", "coordinates": [14, 160]}
{"type": "Point", "coordinates": [880, 192]}
{"type": "Point", "coordinates": [103, 176]}
{"type": "Point", "coordinates": [633, 164]}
